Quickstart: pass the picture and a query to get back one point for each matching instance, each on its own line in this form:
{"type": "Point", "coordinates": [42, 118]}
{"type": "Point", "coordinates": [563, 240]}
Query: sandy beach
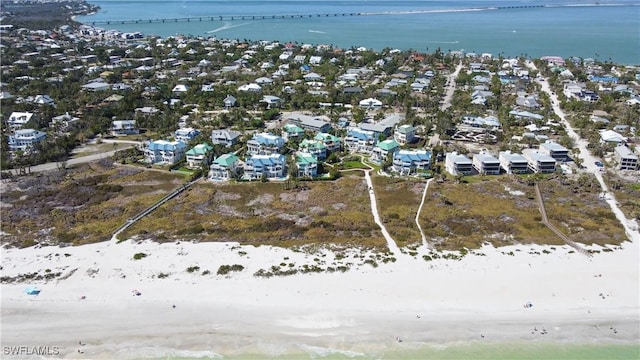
{"type": "Point", "coordinates": [365, 311]}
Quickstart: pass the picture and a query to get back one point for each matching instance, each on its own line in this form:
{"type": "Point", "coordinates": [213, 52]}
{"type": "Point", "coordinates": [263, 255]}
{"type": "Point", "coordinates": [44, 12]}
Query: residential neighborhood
{"type": "Point", "coordinates": [245, 111]}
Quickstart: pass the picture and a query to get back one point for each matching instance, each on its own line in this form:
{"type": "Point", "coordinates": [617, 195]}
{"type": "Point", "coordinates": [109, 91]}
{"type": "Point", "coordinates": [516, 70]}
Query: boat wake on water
{"type": "Point", "coordinates": [318, 32]}
{"type": "Point", "coordinates": [226, 26]}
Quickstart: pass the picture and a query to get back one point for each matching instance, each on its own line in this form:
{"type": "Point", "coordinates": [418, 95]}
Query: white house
{"type": "Point", "coordinates": [625, 158]}
{"type": "Point", "coordinates": [371, 104]}
{"type": "Point", "coordinates": [25, 139]}
{"type": "Point", "coordinates": [186, 134]}
{"type": "Point", "coordinates": [198, 155]}
{"type": "Point", "coordinates": [124, 127]}
{"type": "Point", "coordinates": [539, 162]}
{"type": "Point", "coordinates": [264, 144]}
{"type": "Point", "coordinates": [555, 150]}
{"type": "Point", "coordinates": [486, 163]}
{"type": "Point", "coordinates": [513, 163]}
{"type": "Point", "coordinates": [18, 119]}
{"type": "Point", "coordinates": [224, 167]}
{"type": "Point", "coordinates": [404, 134]}
{"type": "Point", "coordinates": [164, 152]}
{"type": "Point", "coordinates": [458, 164]}
{"type": "Point", "coordinates": [272, 166]}
{"type": "Point", "coordinates": [224, 137]}
{"type": "Point", "coordinates": [383, 150]}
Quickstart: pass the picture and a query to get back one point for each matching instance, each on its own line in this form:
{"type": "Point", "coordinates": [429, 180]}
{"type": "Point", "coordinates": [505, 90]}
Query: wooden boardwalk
{"type": "Point", "coordinates": [151, 208]}
{"type": "Point", "coordinates": [545, 220]}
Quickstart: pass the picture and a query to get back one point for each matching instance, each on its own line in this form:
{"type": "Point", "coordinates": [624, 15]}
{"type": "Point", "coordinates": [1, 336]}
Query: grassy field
{"type": "Point", "coordinates": [87, 204]}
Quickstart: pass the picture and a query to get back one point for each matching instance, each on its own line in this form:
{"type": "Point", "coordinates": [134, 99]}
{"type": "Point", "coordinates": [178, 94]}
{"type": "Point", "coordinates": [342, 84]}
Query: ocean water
{"type": "Point", "coordinates": [607, 30]}
{"type": "Point", "coordinates": [476, 351]}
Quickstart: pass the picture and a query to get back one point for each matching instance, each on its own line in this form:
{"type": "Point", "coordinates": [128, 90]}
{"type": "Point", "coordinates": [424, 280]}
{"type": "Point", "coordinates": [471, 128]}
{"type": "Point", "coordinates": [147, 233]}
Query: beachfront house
{"type": "Point", "coordinates": [407, 162]}
{"type": "Point", "coordinates": [625, 158]}
{"type": "Point", "coordinates": [199, 155]}
{"type": "Point", "coordinates": [486, 164]}
{"type": "Point", "coordinates": [163, 152]}
{"type": "Point", "coordinates": [271, 166]}
{"type": "Point", "coordinates": [458, 164]}
{"type": "Point", "coordinates": [225, 137]}
{"type": "Point", "coordinates": [513, 163]}
{"type": "Point", "coordinates": [384, 150]}
{"type": "Point", "coordinates": [124, 127]}
{"type": "Point", "coordinates": [360, 141]}
{"type": "Point", "coordinates": [555, 150]}
{"type": "Point", "coordinates": [539, 162]}
{"type": "Point", "coordinates": [264, 144]}
{"type": "Point", "coordinates": [404, 134]}
{"type": "Point", "coordinates": [307, 165]}
{"type": "Point", "coordinates": [224, 167]}
{"type": "Point", "coordinates": [25, 139]}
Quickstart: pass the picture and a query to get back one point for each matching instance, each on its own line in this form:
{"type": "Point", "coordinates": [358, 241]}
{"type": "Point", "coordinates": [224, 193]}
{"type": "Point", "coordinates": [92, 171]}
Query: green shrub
{"type": "Point", "coordinates": [139, 256]}
{"type": "Point", "coordinates": [191, 269]}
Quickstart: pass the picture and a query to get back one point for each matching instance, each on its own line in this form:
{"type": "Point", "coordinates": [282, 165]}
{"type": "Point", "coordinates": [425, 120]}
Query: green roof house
{"type": "Point", "coordinates": [384, 148]}
{"type": "Point", "coordinates": [314, 147]}
{"type": "Point", "coordinates": [333, 143]}
{"type": "Point", "coordinates": [307, 165]}
{"type": "Point", "coordinates": [198, 155]}
{"type": "Point", "coordinates": [291, 131]}
{"type": "Point", "coordinates": [224, 167]}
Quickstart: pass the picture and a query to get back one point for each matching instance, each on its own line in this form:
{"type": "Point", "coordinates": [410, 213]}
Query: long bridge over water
{"type": "Point", "coordinates": [290, 16]}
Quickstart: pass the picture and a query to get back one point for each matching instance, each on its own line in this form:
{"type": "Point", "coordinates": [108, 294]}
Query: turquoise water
{"type": "Point", "coordinates": [476, 351]}
{"type": "Point", "coordinates": [605, 30]}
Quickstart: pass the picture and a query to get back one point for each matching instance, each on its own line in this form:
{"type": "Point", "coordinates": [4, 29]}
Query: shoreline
{"type": "Point", "coordinates": [478, 300]}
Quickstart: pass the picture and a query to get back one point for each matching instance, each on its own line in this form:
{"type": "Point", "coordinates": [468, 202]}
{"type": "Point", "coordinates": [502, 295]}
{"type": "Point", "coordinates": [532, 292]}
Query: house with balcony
{"type": "Point", "coordinates": [199, 155]}
{"type": "Point", "coordinates": [163, 152]}
{"type": "Point", "coordinates": [625, 158]}
{"type": "Point", "coordinates": [224, 167]}
{"type": "Point", "coordinates": [272, 166]}
{"type": "Point", "coordinates": [385, 149]}
{"type": "Point", "coordinates": [408, 162]}
{"type": "Point", "coordinates": [405, 134]}
{"type": "Point", "coordinates": [292, 131]}
{"type": "Point", "coordinates": [555, 150]}
{"type": "Point", "coordinates": [513, 163]}
{"type": "Point", "coordinates": [186, 134]}
{"type": "Point", "coordinates": [25, 139]}
{"type": "Point", "coordinates": [458, 164]}
{"type": "Point", "coordinates": [18, 119]}
{"type": "Point", "coordinates": [314, 147]}
{"type": "Point", "coordinates": [307, 165]}
{"type": "Point", "coordinates": [360, 141]}
{"type": "Point", "coordinates": [332, 143]}
{"type": "Point", "coordinates": [124, 127]}
{"type": "Point", "coordinates": [539, 162]}
{"type": "Point", "coordinates": [265, 144]}
{"type": "Point", "coordinates": [486, 164]}
{"type": "Point", "coordinates": [224, 137]}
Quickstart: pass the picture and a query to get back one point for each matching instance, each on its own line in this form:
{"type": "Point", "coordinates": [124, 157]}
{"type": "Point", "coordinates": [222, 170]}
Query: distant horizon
{"type": "Point", "coordinates": [569, 29]}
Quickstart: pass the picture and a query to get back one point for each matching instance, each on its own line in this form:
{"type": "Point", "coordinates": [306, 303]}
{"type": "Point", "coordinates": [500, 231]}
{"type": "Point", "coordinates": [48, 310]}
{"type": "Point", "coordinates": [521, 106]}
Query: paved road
{"type": "Point", "coordinates": [73, 161]}
{"type": "Point", "coordinates": [451, 87]}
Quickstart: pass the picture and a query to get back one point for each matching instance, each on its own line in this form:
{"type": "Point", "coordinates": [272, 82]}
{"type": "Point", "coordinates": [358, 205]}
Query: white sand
{"type": "Point", "coordinates": [361, 311]}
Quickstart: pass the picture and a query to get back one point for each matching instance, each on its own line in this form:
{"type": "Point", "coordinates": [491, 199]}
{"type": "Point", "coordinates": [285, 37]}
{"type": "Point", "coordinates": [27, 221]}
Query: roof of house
{"type": "Point", "coordinates": [200, 149]}
{"type": "Point", "coordinates": [166, 145]}
{"type": "Point", "coordinates": [388, 145]}
{"type": "Point", "coordinates": [412, 155]}
{"type": "Point", "coordinates": [226, 160]}
{"type": "Point", "coordinates": [553, 146]}
{"type": "Point", "coordinates": [305, 158]}
{"type": "Point", "coordinates": [268, 139]}
{"type": "Point", "coordinates": [625, 152]}
{"type": "Point", "coordinates": [406, 128]}
{"type": "Point", "coordinates": [486, 158]}
{"type": "Point", "coordinates": [459, 159]}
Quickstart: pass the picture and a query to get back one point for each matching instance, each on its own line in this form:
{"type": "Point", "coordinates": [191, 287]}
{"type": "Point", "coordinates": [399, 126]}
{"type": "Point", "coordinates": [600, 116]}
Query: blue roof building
{"type": "Point", "coordinates": [407, 162]}
{"type": "Point", "coordinates": [264, 144]}
{"type": "Point", "coordinates": [272, 166]}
